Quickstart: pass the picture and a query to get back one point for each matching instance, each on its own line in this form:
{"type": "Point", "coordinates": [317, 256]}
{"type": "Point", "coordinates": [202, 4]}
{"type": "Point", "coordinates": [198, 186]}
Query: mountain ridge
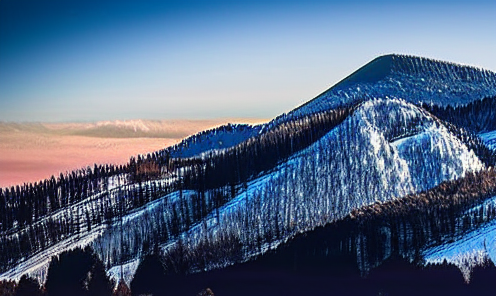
{"type": "Point", "coordinates": [358, 85]}
{"type": "Point", "coordinates": [135, 128]}
{"type": "Point", "coordinates": [305, 169]}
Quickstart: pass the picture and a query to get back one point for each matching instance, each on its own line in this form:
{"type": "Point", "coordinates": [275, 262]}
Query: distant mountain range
{"type": "Point", "coordinates": [139, 128]}
{"type": "Point", "coordinates": [401, 135]}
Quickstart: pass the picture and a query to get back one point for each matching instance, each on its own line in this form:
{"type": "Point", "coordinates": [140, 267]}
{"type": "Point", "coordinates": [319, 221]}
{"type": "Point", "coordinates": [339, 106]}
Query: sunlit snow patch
{"type": "Point", "coordinates": [37, 265]}
{"type": "Point", "coordinates": [125, 271]}
{"type": "Point", "coordinates": [469, 251]}
{"type": "Point", "coordinates": [489, 139]}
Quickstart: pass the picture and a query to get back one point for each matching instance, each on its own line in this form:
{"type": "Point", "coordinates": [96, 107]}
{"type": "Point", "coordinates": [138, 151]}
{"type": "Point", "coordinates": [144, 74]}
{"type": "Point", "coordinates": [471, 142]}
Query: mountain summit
{"type": "Point", "coordinates": [414, 79]}
{"type": "Point", "coordinates": [382, 67]}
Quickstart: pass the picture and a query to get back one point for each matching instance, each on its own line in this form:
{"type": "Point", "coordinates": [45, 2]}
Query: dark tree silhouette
{"type": "Point", "coordinates": [482, 279]}
{"type": "Point", "coordinates": [150, 277]}
{"type": "Point", "coordinates": [28, 287]}
{"type": "Point", "coordinates": [77, 272]}
{"type": "Point", "coordinates": [99, 283]}
{"type": "Point", "coordinates": [7, 288]}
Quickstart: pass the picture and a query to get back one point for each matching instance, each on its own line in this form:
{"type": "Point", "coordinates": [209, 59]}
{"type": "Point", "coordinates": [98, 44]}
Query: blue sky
{"type": "Point", "coordinates": [105, 60]}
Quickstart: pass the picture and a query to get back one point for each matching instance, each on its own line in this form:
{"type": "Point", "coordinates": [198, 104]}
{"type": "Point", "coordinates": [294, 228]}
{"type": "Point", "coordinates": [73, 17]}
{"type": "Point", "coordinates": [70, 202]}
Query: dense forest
{"type": "Point", "coordinates": [411, 224]}
{"type": "Point", "coordinates": [374, 250]}
{"type": "Point", "coordinates": [292, 176]}
{"type": "Point", "coordinates": [477, 116]}
{"type": "Point", "coordinates": [36, 216]}
{"type": "Point", "coordinates": [77, 272]}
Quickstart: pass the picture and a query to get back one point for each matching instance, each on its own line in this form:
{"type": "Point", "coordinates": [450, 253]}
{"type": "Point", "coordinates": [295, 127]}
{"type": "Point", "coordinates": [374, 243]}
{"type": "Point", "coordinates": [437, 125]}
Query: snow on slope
{"type": "Point", "coordinates": [413, 78]}
{"type": "Point", "coordinates": [470, 250]}
{"type": "Point", "coordinates": [37, 264]}
{"type": "Point", "coordinates": [352, 166]}
{"type": "Point", "coordinates": [387, 149]}
{"type": "Point", "coordinates": [221, 137]}
{"type": "Point", "coordinates": [489, 139]}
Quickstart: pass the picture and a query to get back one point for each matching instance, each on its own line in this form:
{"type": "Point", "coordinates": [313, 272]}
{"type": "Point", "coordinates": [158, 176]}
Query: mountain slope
{"type": "Point", "coordinates": [385, 150]}
{"type": "Point", "coordinates": [240, 191]}
{"type": "Point", "coordinates": [417, 80]}
{"type": "Point", "coordinates": [413, 79]}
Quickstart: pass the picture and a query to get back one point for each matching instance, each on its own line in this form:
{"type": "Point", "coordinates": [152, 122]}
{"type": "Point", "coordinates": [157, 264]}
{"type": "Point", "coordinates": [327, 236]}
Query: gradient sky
{"type": "Point", "coordinates": [91, 60]}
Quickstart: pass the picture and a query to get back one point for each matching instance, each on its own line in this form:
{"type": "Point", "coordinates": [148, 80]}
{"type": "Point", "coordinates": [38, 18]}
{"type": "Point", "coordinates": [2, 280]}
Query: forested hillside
{"type": "Point", "coordinates": [395, 167]}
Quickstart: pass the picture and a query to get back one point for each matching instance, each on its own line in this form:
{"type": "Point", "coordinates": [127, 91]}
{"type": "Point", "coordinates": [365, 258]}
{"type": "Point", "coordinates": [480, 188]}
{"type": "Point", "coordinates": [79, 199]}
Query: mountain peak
{"type": "Point", "coordinates": [373, 71]}
{"type": "Point", "coordinates": [415, 79]}
{"type": "Point", "coordinates": [385, 65]}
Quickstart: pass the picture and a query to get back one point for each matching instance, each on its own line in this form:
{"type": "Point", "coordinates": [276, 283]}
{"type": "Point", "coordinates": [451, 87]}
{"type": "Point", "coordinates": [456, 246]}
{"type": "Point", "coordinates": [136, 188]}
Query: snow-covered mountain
{"type": "Point", "coordinates": [413, 79]}
{"type": "Point", "coordinates": [245, 190]}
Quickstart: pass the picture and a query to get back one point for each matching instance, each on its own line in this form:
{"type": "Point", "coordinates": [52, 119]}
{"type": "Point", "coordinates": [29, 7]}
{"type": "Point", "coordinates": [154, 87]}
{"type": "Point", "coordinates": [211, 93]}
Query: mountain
{"type": "Point", "coordinates": [414, 79]}
{"type": "Point", "coordinates": [392, 139]}
{"type": "Point", "coordinates": [420, 81]}
{"type": "Point", "coordinates": [118, 128]}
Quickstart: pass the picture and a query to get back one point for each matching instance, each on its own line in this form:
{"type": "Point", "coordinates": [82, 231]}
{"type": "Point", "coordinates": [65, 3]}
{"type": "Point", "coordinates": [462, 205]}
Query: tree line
{"type": "Point", "coordinates": [21, 205]}
{"type": "Point", "coordinates": [110, 192]}
{"type": "Point", "coordinates": [477, 116]}
{"type": "Point", "coordinates": [247, 160]}
{"type": "Point", "coordinates": [77, 272]}
{"type": "Point", "coordinates": [399, 228]}
{"type": "Point", "coordinates": [38, 215]}
{"type": "Point", "coordinates": [404, 227]}
{"type": "Point", "coordinates": [466, 121]}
